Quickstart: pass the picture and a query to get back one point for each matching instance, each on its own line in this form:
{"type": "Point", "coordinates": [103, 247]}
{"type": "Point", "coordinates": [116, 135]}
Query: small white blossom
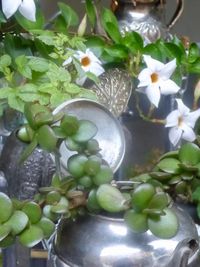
{"type": "Point", "coordinates": [182, 122]}
{"type": "Point", "coordinates": [26, 7]}
{"type": "Point", "coordinates": [155, 79]}
{"type": "Point", "coordinates": [88, 63]}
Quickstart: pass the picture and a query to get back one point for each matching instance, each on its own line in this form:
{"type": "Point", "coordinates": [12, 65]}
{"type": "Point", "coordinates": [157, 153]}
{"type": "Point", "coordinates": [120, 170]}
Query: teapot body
{"type": "Point", "coordinates": [100, 241]}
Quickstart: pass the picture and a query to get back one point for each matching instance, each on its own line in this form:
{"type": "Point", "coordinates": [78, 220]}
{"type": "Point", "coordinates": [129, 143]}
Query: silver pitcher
{"type": "Point", "coordinates": [100, 241]}
{"type": "Point", "coordinates": [145, 17]}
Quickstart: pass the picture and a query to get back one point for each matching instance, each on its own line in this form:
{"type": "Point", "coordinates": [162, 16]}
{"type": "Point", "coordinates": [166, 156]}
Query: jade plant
{"type": "Point", "coordinates": [89, 185]}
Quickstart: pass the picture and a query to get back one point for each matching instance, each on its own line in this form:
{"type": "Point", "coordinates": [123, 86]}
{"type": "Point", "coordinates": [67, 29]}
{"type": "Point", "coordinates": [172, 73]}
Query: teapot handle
{"type": "Point", "coordinates": [177, 14]}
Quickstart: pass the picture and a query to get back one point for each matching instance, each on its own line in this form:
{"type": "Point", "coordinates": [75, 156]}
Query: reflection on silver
{"type": "Point", "coordinates": [110, 134]}
{"type": "Point", "coordinates": [99, 241]}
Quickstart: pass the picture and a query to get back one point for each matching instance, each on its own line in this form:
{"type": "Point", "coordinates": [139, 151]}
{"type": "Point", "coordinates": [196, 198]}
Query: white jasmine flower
{"type": "Point", "coordinates": [182, 122]}
{"type": "Point", "coordinates": [26, 8]}
{"type": "Point", "coordinates": [155, 79]}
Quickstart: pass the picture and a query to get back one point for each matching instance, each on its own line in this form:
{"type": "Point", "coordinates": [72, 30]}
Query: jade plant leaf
{"type": "Point", "coordinates": [47, 226]}
{"type": "Point", "coordinates": [110, 198]}
{"type": "Point", "coordinates": [93, 167]}
{"type": "Point", "coordinates": [46, 138]}
{"type": "Point", "coordinates": [86, 131]}
{"type": "Point", "coordinates": [7, 241]}
{"type": "Point", "coordinates": [33, 211]}
{"type": "Point", "coordinates": [18, 222]}
{"type": "Point", "coordinates": [31, 236]}
{"type": "Point", "coordinates": [165, 226]}
{"type": "Point", "coordinates": [103, 176]}
{"type": "Point", "coordinates": [169, 165]}
{"type": "Point", "coordinates": [189, 154]}
{"type": "Point", "coordinates": [76, 165]}
{"type": "Point", "coordinates": [136, 221]}
{"type": "Point", "coordinates": [158, 201]}
{"type": "Point", "coordinates": [6, 207]}
{"type": "Point", "coordinates": [4, 231]}
{"type": "Point", "coordinates": [69, 125]}
{"type": "Point", "coordinates": [142, 195]}
{"type": "Point", "coordinates": [92, 202]}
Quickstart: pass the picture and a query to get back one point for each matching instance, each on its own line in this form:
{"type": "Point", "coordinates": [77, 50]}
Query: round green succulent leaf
{"type": "Point", "coordinates": [142, 196]}
{"type": "Point", "coordinates": [165, 226]}
{"type": "Point", "coordinates": [137, 222]}
{"type": "Point", "coordinates": [87, 130]}
{"type": "Point", "coordinates": [69, 125]}
{"type": "Point", "coordinates": [189, 154]}
{"type": "Point", "coordinates": [49, 214]}
{"type": "Point", "coordinates": [18, 222]}
{"type": "Point", "coordinates": [6, 207]}
{"type": "Point", "coordinates": [76, 165]}
{"type": "Point", "coordinates": [46, 138]}
{"type": "Point", "coordinates": [170, 154]}
{"type": "Point", "coordinates": [169, 165]}
{"type": "Point", "coordinates": [61, 207]}
{"type": "Point", "coordinates": [92, 202]}
{"type": "Point", "coordinates": [53, 197]}
{"type": "Point", "coordinates": [110, 198]}
{"type": "Point", "coordinates": [159, 201]}
{"type": "Point", "coordinates": [47, 226]}
{"type": "Point", "coordinates": [23, 135]}
{"type": "Point", "coordinates": [31, 236]}
{"type": "Point", "coordinates": [93, 146]}
{"type": "Point", "coordinates": [161, 176]}
{"type": "Point", "coordinates": [72, 145]}
{"type": "Point", "coordinates": [85, 181]}
{"type": "Point", "coordinates": [7, 241]}
{"type": "Point", "coordinates": [4, 231]}
{"type": "Point", "coordinates": [33, 211]}
{"type": "Point", "coordinates": [105, 175]}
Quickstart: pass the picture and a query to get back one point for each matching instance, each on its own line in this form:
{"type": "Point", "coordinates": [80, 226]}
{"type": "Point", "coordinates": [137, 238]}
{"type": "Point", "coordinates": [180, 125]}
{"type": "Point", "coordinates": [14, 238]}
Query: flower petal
{"type": "Point", "coordinates": [168, 87]}
{"type": "Point", "coordinates": [67, 61]}
{"type": "Point", "coordinates": [153, 64]}
{"type": "Point", "coordinates": [153, 94]}
{"type": "Point", "coordinates": [144, 77]}
{"type": "Point", "coordinates": [175, 134]}
{"type": "Point", "coordinates": [172, 119]}
{"type": "Point", "coordinates": [191, 118]}
{"type": "Point", "coordinates": [168, 69]}
{"type": "Point", "coordinates": [80, 81]}
{"type": "Point", "coordinates": [28, 9]}
{"type": "Point", "coordinates": [9, 7]}
{"type": "Point", "coordinates": [188, 133]}
{"type": "Point", "coordinates": [92, 56]}
{"type": "Point", "coordinates": [96, 69]}
{"type": "Point", "coordinates": [181, 107]}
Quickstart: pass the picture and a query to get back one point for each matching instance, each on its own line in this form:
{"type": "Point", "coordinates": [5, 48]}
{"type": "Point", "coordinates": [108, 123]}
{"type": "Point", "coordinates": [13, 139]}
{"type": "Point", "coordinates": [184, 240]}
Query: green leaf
{"type": "Point", "coordinates": [169, 165]}
{"type": "Point", "coordinates": [142, 195]}
{"type": "Point", "coordinates": [23, 67]}
{"type": "Point", "coordinates": [86, 131]}
{"type": "Point", "coordinates": [196, 194]}
{"type": "Point", "coordinates": [4, 231]}
{"type": "Point", "coordinates": [2, 17]}
{"type": "Point", "coordinates": [70, 16]}
{"type": "Point", "coordinates": [31, 236]}
{"type": "Point", "coordinates": [18, 222]}
{"type": "Point", "coordinates": [38, 64]}
{"type": "Point", "coordinates": [110, 24]}
{"type": "Point", "coordinates": [194, 67]}
{"type": "Point", "coordinates": [166, 226]}
{"type": "Point", "coordinates": [5, 61]}
{"type": "Point", "coordinates": [158, 201]}
{"type": "Point", "coordinates": [4, 92]}
{"type": "Point", "coordinates": [28, 150]}
{"type": "Point", "coordinates": [152, 50]}
{"type": "Point", "coordinates": [47, 226]}
{"type": "Point", "coordinates": [174, 51]}
{"type": "Point", "coordinates": [137, 222]}
{"type": "Point", "coordinates": [46, 138]}
{"type": "Point", "coordinates": [15, 102]}
{"type": "Point", "coordinates": [29, 25]}
{"type": "Point", "coordinates": [56, 73]}
{"type": "Point", "coordinates": [33, 211]}
{"type": "Point", "coordinates": [133, 41]}
{"type": "Point", "coordinates": [110, 198]}
{"type": "Point", "coordinates": [117, 51]}
{"type": "Point", "coordinates": [189, 153]}
{"type": "Point", "coordinates": [193, 53]}
{"type": "Point", "coordinates": [6, 207]}
{"type": "Point", "coordinates": [28, 93]}
{"type": "Point", "coordinates": [90, 12]}
{"type": "Point", "coordinates": [58, 97]}
{"type": "Point", "coordinates": [72, 88]}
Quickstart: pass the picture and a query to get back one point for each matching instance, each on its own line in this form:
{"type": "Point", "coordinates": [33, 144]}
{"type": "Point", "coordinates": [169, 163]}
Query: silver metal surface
{"type": "Point", "coordinates": [145, 18]}
{"type": "Point", "coordinates": [99, 241]}
{"type": "Point", "coordinates": [114, 90]}
{"type": "Point", "coordinates": [110, 134]}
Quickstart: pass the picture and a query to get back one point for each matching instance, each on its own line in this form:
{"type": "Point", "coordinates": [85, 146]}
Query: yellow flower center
{"type": "Point", "coordinates": [180, 121]}
{"type": "Point", "coordinates": [85, 61]}
{"type": "Point", "coordinates": [154, 77]}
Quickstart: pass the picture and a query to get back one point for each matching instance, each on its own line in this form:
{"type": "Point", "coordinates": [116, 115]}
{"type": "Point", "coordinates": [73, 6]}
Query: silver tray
{"type": "Point", "coordinates": [110, 134]}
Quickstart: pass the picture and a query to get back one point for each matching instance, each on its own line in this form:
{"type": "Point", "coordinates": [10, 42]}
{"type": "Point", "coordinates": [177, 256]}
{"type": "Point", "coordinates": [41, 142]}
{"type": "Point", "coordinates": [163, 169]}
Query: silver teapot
{"type": "Point", "coordinates": [101, 241]}
{"type": "Point", "coordinates": [145, 17]}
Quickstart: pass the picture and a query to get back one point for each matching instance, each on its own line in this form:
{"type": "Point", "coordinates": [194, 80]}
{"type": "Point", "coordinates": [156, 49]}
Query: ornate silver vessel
{"type": "Point", "coordinates": [100, 241]}
{"type": "Point", "coordinates": [145, 17]}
